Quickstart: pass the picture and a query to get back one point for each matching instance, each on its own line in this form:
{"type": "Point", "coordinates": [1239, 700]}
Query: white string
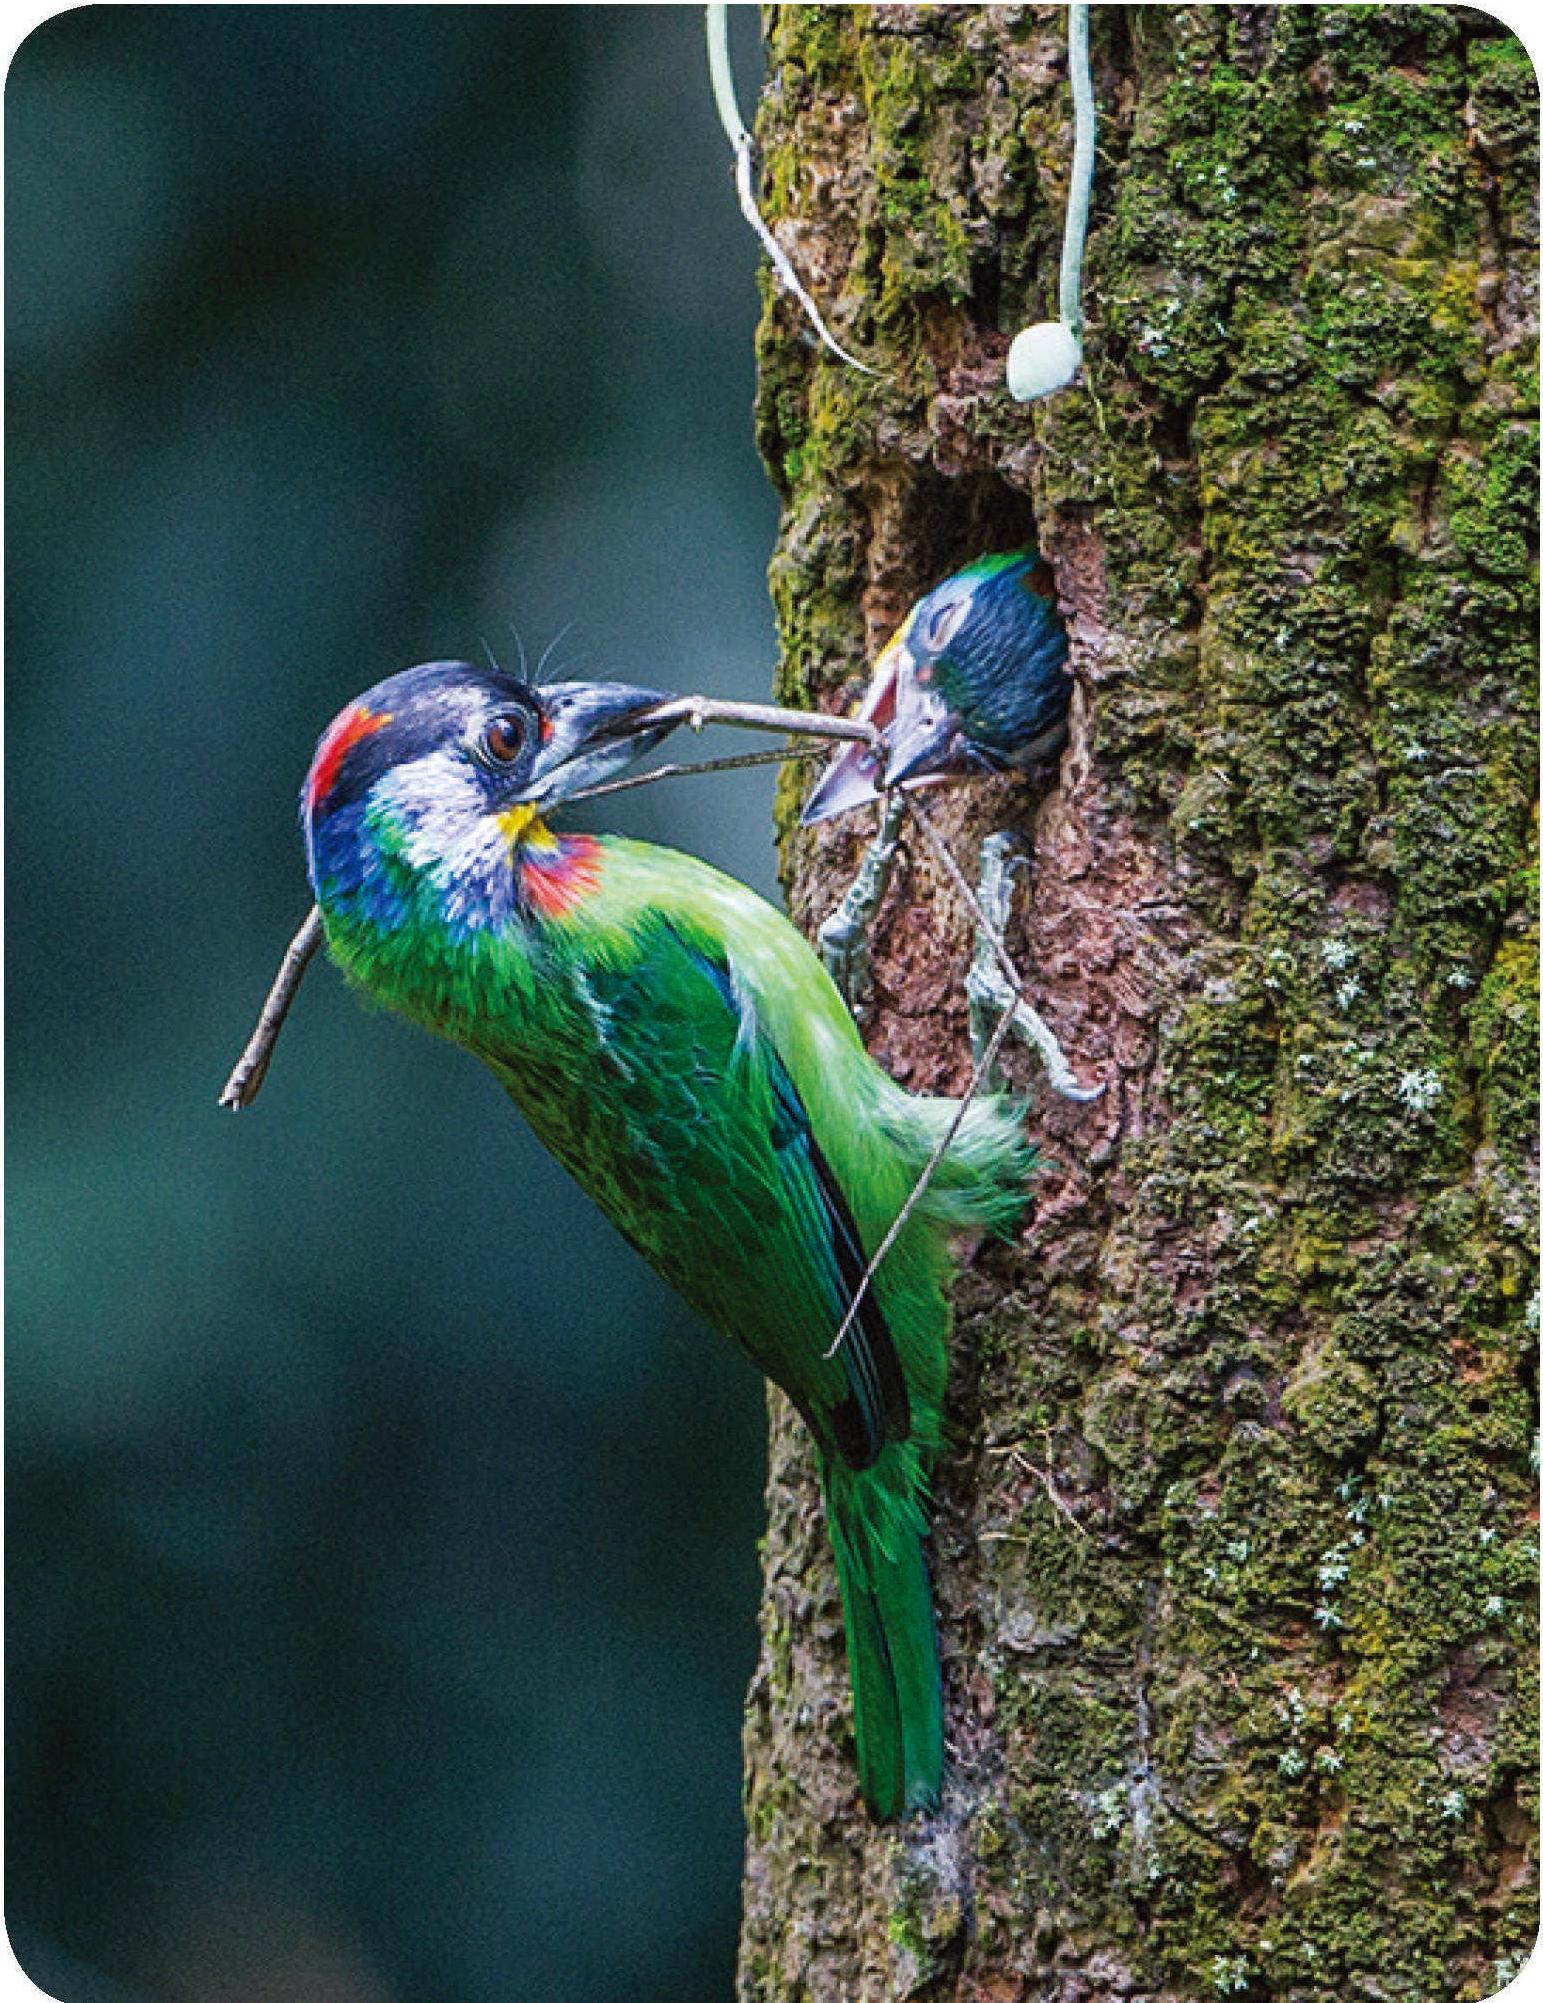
{"type": "Point", "coordinates": [721, 71]}
{"type": "Point", "coordinates": [1079, 194]}
{"type": "Point", "coordinates": [1046, 357]}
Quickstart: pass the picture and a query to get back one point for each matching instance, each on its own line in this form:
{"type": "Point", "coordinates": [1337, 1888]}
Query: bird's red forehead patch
{"type": "Point", "coordinates": [343, 733]}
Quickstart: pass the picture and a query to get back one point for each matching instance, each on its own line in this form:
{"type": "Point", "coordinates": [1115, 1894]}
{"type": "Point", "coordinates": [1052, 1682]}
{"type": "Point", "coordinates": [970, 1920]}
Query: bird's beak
{"type": "Point", "coordinates": [850, 780]}
{"type": "Point", "coordinates": [590, 732]}
{"type": "Point", "coordinates": [923, 741]}
{"type": "Point", "coordinates": [855, 775]}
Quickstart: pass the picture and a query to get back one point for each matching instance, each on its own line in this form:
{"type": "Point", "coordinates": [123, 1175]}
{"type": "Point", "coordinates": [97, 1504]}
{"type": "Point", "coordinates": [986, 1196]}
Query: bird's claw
{"type": "Point", "coordinates": [986, 988]}
{"type": "Point", "coordinates": [843, 938]}
{"type": "Point", "coordinates": [843, 943]}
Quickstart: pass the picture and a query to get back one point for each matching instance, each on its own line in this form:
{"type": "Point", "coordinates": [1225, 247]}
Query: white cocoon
{"type": "Point", "coordinates": [1042, 358]}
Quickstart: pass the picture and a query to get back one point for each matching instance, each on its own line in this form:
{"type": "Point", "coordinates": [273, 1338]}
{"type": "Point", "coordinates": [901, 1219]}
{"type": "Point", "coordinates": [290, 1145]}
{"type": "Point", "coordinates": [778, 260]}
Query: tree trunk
{"type": "Point", "coordinates": [1234, 1549]}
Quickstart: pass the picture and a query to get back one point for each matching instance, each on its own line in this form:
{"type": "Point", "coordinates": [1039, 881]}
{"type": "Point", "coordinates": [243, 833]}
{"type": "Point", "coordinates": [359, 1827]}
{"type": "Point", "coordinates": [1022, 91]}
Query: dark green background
{"type": "Point", "coordinates": [382, 1533]}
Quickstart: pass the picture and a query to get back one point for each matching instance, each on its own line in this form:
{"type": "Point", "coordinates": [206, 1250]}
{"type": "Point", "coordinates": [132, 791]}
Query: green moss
{"type": "Point", "coordinates": [1335, 1403]}
{"type": "Point", "coordinates": [1505, 1039]}
{"type": "Point", "coordinates": [815, 41]}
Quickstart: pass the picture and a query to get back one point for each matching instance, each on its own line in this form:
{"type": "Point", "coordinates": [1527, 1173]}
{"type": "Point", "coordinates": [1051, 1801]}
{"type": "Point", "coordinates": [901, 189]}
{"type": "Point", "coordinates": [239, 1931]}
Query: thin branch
{"type": "Point", "coordinates": [934, 1162]}
{"type": "Point", "coordinates": [245, 1081]}
{"type": "Point", "coordinates": [1044, 1475]}
{"type": "Point", "coordinates": [782, 757]}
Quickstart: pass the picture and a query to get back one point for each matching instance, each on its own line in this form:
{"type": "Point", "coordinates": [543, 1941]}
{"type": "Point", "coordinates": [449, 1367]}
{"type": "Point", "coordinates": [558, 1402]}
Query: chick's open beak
{"type": "Point", "coordinates": [855, 775]}
{"type": "Point", "coordinates": [590, 732]}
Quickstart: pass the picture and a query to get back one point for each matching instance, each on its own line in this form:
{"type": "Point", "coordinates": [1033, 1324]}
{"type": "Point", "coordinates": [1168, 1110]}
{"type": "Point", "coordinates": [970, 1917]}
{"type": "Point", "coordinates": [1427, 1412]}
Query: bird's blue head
{"type": "Point", "coordinates": [987, 668]}
{"type": "Point", "coordinates": [974, 680]}
{"type": "Point", "coordinates": [437, 781]}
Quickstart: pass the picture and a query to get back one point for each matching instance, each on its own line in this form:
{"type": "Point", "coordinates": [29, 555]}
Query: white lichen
{"type": "Point", "coordinates": [1419, 1090]}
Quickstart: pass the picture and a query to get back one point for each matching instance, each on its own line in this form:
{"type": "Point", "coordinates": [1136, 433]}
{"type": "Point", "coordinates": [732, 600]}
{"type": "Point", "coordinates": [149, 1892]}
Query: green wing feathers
{"type": "Point", "coordinates": [847, 1145]}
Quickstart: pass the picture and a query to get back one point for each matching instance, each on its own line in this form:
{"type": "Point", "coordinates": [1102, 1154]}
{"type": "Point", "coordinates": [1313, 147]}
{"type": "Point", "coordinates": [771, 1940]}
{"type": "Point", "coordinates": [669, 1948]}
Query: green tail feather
{"type": "Point", "coordinates": [897, 1688]}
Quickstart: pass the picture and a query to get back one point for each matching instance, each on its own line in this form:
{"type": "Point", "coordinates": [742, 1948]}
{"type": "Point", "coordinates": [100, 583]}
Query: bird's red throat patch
{"type": "Point", "coordinates": [554, 880]}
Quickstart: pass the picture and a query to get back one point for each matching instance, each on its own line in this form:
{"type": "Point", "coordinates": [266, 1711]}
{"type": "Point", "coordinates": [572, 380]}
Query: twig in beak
{"type": "Point", "coordinates": [245, 1081]}
{"type": "Point", "coordinates": [700, 710]}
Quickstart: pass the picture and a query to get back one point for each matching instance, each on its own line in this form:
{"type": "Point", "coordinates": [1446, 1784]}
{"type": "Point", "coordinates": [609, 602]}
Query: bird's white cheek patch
{"type": "Point", "coordinates": [446, 830]}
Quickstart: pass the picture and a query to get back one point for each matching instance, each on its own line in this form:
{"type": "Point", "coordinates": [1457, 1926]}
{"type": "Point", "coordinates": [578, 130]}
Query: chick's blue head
{"type": "Point", "coordinates": [989, 645]}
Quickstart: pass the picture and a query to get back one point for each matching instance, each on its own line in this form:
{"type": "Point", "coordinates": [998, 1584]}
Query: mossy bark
{"type": "Point", "coordinates": [1235, 1547]}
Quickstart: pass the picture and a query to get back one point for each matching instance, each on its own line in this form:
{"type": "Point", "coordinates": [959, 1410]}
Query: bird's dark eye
{"type": "Point", "coordinates": [503, 738]}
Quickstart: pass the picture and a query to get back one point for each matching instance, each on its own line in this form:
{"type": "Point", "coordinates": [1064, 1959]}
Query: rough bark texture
{"type": "Point", "coordinates": [1235, 1546]}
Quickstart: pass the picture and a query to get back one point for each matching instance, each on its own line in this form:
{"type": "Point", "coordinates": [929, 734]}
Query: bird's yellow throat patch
{"type": "Point", "coordinates": [523, 825]}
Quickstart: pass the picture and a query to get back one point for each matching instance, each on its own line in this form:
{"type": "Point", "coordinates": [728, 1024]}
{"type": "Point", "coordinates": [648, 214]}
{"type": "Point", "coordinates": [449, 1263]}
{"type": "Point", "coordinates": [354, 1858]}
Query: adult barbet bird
{"type": "Point", "coordinates": [681, 1050]}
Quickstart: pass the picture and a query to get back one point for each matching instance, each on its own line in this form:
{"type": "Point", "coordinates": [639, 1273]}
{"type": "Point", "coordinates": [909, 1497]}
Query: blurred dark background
{"type": "Point", "coordinates": [382, 1533]}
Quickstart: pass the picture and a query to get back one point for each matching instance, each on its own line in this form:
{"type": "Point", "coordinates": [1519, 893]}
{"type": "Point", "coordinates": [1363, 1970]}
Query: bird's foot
{"type": "Point", "coordinates": [990, 993]}
{"type": "Point", "coordinates": [844, 937]}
